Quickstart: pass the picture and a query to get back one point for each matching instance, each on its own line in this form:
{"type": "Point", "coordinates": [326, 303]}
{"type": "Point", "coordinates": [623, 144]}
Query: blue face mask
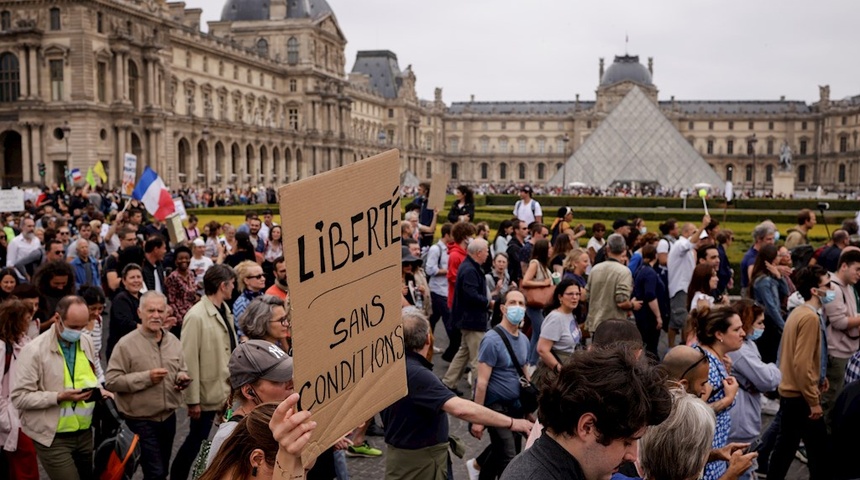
{"type": "Point", "coordinates": [71, 336]}
{"type": "Point", "coordinates": [828, 297]}
{"type": "Point", "coordinates": [516, 315]}
{"type": "Point", "coordinates": [776, 236]}
{"type": "Point", "coordinates": [756, 334]}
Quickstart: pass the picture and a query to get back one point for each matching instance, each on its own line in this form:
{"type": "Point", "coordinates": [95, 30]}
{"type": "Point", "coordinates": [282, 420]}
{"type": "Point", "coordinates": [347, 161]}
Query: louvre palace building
{"type": "Point", "coordinates": [263, 98]}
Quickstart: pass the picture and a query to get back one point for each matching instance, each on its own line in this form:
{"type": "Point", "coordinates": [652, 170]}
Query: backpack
{"type": "Point", "coordinates": [520, 203]}
{"type": "Point", "coordinates": [117, 457]}
{"type": "Point", "coordinates": [426, 255]}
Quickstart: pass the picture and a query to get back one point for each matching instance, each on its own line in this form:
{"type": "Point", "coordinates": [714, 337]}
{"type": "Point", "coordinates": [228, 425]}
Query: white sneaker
{"type": "Point", "coordinates": [768, 406]}
{"type": "Point", "coordinates": [474, 473]}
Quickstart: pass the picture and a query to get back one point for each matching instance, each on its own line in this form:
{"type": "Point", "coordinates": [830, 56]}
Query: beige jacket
{"type": "Point", "coordinates": [128, 375]}
{"type": "Point", "coordinates": [38, 381]}
{"type": "Point", "coordinates": [206, 346]}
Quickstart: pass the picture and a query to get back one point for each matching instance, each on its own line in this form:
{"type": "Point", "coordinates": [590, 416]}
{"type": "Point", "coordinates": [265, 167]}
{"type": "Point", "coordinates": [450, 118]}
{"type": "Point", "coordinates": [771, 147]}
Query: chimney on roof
{"type": "Point", "coordinates": [651, 65]}
{"type": "Point", "coordinates": [472, 98]}
{"type": "Point", "coordinates": [782, 98]}
{"type": "Point", "coordinates": [601, 71]}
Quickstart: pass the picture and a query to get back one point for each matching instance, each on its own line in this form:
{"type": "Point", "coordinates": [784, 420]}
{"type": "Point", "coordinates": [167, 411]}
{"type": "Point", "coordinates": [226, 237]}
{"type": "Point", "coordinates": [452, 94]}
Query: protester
{"type": "Point", "coordinates": [702, 284]}
{"type": "Point", "coordinates": [719, 331]}
{"type": "Point", "coordinates": [124, 316]}
{"type": "Point", "coordinates": [250, 282]}
{"type": "Point", "coordinates": [803, 364]}
{"type": "Point", "coordinates": [561, 246]}
{"type": "Point", "coordinates": [763, 234]}
{"type": "Point", "coordinates": [500, 243]}
{"type": "Point", "coordinates": [8, 282]}
{"type": "Point", "coordinates": [596, 242]}
{"type": "Point", "coordinates": [799, 235]}
{"type": "Point", "coordinates": [843, 324]}
{"type": "Point", "coordinates": [688, 368]}
{"type": "Point", "coordinates": [463, 208]}
{"type": "Point", "coordinates": [416, 426]}
{"type": "Point", "coordinates": [154, 250]}
{"type": "Point", "coordinates": [498, 386]}
{"type": "Point", "coordinates": [753, 376]}
{"type": "Point", "coordinates": [514, 251]}
{"type": "Point", "coordinates": [526, 208]}
{"type": "Point", "coordinates": [436, 268]}
{"type": "Point", "coordinates": [610, 286]}
{"type": "Point", "coordinates": [461, 234]}
{"type": "Point", "coordinates": [15, 446]}
{"type": "Point", "coordinates": [768, 288]}
{"type": "Point", "coordinates": [593, 416]}
{"type": "Point", "coordinates": [635, 261]}
{"type": "Point", "coordinates": [725, 273]}
{"type": "Point", "coordinates": [208, 338]}
{"type": "Point", "coordinates": [260, 373]}
{"type": "Point", "coordinates": [498, 285]}
{"type": "Point", "coordinates": [575, 265]}
{"type": "Point", "coordinates": [147, 372]}
{"type": "Point", "coordinates": [469, 312]}
{"type": "Point", "coordinates": [560, 334]}
{"type": "Point", "coordinates": [267, 318]}
{"type": "Point", "coordinates": [54, 390]}
{"type": "Point", "coordinates": [538, 275]}
{"type": "Point", "coordinates": [681, 263]}
{"type": "Point", "coordinates": [95, 300]}
{"type": "Point", "coordinates": [619, 227]}
{"type": "Point", "coordinates": [280, 288]}
{"type": "Point", "coordinates": [54, 280]}
{"type": "Point", "coordinates": [242, 251]}
{"type": "Point", "coordinates": [23, 244]}
{"type": "Point", "coordinates": [648, 287]}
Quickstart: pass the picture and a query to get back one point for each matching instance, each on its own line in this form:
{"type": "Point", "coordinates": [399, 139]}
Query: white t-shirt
{"type": "Point", "coordinates": [523, 211]}
{"type": "Point", "coordinates": [596, 244]}
{"type": "Point", "coordinates": [701, 296]}
{"type": "Point", "coordinates": [199, 266]}
{"type": "Point", "coordinates": [681, 263]}
{"type": "Point", "coordinates": [663, 246]}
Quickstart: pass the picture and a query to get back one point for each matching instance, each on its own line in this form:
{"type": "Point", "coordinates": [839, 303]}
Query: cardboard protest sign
{"type": "Point", "coordinates": [438, 188]}
{"type": "Point", "coordinates": [179, 208]}
{"type": "Point", "coordinates": [12, 200]}
{"type": "Point", "coordinates": [129, 174]}
{"type": "Point", "coordinates": [175, 229]}
{"type": "Point", "coordinates": [342, 248]}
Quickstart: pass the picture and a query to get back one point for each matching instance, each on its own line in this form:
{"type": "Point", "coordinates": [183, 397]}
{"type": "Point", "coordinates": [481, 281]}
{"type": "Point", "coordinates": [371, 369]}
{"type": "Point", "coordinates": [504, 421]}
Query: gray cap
{"type": "Point", "coordinates": [259, 359]}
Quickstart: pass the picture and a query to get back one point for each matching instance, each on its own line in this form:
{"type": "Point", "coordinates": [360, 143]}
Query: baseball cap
{"type": "Point", "coordinates": [527, 189]}
{"type": "Point", "coordinates": [259, 359]}
{"type": "Point", "coordinates": [620, 223]}
{"type": "Point", "coordinates": [198, 242]}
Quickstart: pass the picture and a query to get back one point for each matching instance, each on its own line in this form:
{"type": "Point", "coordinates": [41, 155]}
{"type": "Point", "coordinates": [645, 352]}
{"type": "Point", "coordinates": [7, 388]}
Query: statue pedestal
{"type": "Point", "coordinates": [783, 184]}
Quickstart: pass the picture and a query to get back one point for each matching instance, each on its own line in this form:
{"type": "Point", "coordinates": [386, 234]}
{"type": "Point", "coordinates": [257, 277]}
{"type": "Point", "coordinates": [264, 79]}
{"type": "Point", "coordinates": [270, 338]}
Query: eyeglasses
{"type": "Point", "coordinates": [261, 275]}
{"type": "Point", "coordinates": [285, 320]}
{"type": "Point", "coordinates": [696, 363]}
{"type": "Point", "coordinates": [63, 233]}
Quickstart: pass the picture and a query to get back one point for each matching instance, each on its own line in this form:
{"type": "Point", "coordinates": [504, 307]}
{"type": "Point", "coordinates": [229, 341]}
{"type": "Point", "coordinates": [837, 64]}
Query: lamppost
{"type": "Point", "coordinates": [752, 144]}
{"type": "Point", "coordinates": [67, 130]}
{"type": "Point", "coordinates": [565, 139]}
{"type": "Point", "coordinates": [381, 137]}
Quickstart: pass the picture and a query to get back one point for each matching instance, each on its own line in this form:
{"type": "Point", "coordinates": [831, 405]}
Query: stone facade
{"type": "Point", "coordinates": [263, 98]}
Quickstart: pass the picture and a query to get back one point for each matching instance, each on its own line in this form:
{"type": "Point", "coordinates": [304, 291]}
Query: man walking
{"type": "Point", "coordinates": [416, 426]}
{"type": "Point", "coordinates": [53, 392]}
{"type": "Point", "coordinates": [469, 311]}
{"type": "Point", "coordinates": [681, 263]}
{"type": "Point", "coordinates": [610, 286]}
{"type": "Point", "coordinates": [843, 324]}
{"type": "Point", "coordinates": [208, 338]}
{"type": "Point", "coordinates": [798, 235]}
{"type": "Point", "coordinates": [147, 371]}
{"type": "Point", "coordinates": [528, 209]}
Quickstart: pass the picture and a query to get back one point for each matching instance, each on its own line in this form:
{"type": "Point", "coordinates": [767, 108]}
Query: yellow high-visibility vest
{"type": "Point", "coordinates": [75, 416]}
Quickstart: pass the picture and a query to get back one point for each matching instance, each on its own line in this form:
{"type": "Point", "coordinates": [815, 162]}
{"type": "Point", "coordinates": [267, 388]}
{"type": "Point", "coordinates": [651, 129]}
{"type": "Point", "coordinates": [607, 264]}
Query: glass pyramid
{"type": "Point", "coordinates": [637, 143]}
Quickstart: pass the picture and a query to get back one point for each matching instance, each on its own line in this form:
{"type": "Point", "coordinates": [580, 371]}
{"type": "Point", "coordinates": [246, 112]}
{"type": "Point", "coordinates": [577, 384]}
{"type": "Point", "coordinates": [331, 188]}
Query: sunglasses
{"type": "Point", "coordinates": [256, 276]}
{"type": "Point", "coordinates": [696, 363]}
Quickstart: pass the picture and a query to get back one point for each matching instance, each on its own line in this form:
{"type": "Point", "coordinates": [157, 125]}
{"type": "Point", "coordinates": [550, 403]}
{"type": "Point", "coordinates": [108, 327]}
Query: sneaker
{"type": "Point", "coordinates": [363, 450]}
{"type": "Point", "coordinates": [801, 454]}
{"type": "Point", "coordinates": [474, 473]}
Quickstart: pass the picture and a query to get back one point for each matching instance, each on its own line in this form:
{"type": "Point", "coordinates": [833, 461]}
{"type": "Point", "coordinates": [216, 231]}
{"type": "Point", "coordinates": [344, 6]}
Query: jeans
{"type": "Point", "coordinates": [797, 425]}
{"type": "Point", "coordinates": [504, 446]}
{"type": "Point", "coordinates": [340, 465]}
{"type": "Point", "coordinates": [536, 317]}
{"type": "Point", "coordinates": [768, 441]}
{"type": "Point", "coordinates": [197, 432]}
{"type": "Point", "coordinates": [156, 445]}
{"type": "Point", "coordinates": [69, 457]}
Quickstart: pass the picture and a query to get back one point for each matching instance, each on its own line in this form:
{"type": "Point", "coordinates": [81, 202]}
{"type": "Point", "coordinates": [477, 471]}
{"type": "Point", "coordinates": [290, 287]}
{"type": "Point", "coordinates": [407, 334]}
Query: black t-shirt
{"type": "Point", "coordinates": [417, 420]}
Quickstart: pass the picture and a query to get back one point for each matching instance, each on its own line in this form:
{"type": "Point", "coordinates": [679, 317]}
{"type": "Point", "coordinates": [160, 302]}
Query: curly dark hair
{"type": "Point", "coordinates": [622, 392]}
{"type": "Point", "coordinates": [49, 270]}
{"type": "Point", "coordinates": [15, 318]}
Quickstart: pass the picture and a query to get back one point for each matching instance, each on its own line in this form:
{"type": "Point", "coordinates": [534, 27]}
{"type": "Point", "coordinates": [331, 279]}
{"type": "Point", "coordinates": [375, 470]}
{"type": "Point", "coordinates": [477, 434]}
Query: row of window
{"type": "Point", "coordinates": [54, 20]}
{"type": "Point", "coordinates": [841, 173]}
{"type": "Point", "coordinates": [731, 125]}
{"type": "Point", "coordinates": [522, 170]}
{"type": "Point", "coordinates": [523, 125]}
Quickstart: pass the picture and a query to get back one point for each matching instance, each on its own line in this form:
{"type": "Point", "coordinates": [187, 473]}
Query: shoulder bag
{"type": "Point", "coordinates": [528, 392]}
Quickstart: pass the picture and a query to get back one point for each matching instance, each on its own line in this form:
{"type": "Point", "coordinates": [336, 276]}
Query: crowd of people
{"type": "Point", "coordinates": [617, 353]}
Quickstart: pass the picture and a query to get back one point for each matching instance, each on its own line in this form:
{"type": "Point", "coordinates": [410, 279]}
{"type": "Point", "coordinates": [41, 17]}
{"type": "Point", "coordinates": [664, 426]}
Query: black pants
{"type": "Point", "coordinates": [796, 425]}
{"type": "Point", "coordinates": [198, 431]}
{"type": "Point", "coordinates": [650, 334]}
{"type": "Point", "coordinates": [156, 445]}
{"type": "Point", "coordinates": [440, 310]}
{"type": "Point", "coordinates": [504, 446]}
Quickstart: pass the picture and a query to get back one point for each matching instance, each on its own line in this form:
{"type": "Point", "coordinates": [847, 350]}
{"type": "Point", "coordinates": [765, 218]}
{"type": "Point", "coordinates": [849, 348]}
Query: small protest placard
{"type": "Point", "coordinates": [343, 267]}
{"type": "Point", "coordinates": [179, 208]}
{"type": "Point", "coordinates": [438, 188]}
{"type": "Point", "coordinates": [129, 174]}
{"type": "Point", "coordinates": [12, 201]}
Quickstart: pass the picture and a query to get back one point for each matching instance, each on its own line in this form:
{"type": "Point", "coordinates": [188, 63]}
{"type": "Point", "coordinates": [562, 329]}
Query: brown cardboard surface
{"type": "Point", "coordinates": [438, 188]}
{"type": "Point", "coordinates": [349, 358]}
{"type": "Point", "coordinates": [175, 229]}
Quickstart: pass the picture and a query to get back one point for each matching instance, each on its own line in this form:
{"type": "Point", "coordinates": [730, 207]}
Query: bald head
{"type": "Point", "coordinates": [679, 359]}
{"type": "Point", "coordinates": [687, 230]}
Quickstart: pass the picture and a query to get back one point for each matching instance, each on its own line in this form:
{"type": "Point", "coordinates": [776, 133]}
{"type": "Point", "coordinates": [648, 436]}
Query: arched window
{"type": "Point", "coordinates": [263, 47]}
{"type": "Point", "coordinates": [133, 79]}
{"type": "Point", "coordinates": [730, 173]}
{"type": "Point", "coordinates": [455, 171]}
{"type": "Point", "coordinates": [541, 171]}
{"type": "Point", "coordinates": [768, 173]}
{"type": "Point", "coordinates": [9, 78]}
{"type": "Point", "coordinates": [842, 173]}
{"type": "Point", "coordinates": [292, 51]}
{"type": "Point", "coordinates": [485, 171]}
{"type": "Point", "coordinates": [522, 171]}
{"type": "Point", "coordinates": [801, 174]}
{"type": "Point", "coordinates": [503, 171]}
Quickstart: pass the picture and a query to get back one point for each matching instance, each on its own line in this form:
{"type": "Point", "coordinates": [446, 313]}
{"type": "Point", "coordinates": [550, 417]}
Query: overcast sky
{"type": "Point", "coordinates": [549, 49]}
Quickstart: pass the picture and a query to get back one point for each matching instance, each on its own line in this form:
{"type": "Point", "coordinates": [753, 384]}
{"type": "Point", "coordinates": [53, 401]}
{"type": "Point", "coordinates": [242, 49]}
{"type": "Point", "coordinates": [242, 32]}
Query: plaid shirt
{"type": "Point", "coordinates": [852, 370]}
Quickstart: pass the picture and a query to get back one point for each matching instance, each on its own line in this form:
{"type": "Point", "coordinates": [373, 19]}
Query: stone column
{"type": "Point", "coordinates": [119, 90]}
{"type": "Point", "coordinates": [36, 148]}
{"type": "Point", "coordinates": [24, 69]}
{"type": "Point", "coordinates": [34, 73]}
{"type": "Point", "coordinates": [26, 159]}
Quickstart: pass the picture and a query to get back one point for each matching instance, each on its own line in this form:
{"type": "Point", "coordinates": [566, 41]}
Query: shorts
{"type": "Point", "coordinates": [678, 306]}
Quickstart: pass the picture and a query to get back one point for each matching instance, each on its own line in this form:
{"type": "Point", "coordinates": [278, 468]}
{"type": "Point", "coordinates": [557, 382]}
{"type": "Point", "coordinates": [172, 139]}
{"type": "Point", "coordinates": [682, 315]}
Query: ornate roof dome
{"type": "Point", "coordinates": [250, 10]}
{"type": "Point", "coordinates": [626, 68]}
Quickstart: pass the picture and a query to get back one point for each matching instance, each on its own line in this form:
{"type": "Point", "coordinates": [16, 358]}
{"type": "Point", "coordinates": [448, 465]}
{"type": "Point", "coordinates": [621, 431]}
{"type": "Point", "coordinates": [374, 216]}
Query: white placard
{"type": "Point", "coordinates": [179, 208]}
{"type": "Point", "coordinates": [12, 200]}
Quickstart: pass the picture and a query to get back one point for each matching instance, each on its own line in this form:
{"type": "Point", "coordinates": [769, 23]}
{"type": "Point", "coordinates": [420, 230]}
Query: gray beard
{"type": "Point", "coordinates": [29, 236]}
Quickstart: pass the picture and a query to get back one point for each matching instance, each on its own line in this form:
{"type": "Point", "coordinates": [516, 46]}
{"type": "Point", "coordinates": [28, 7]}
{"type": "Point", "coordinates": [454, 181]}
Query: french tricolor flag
{"type": "Point", "coordinates": [151, 191]}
